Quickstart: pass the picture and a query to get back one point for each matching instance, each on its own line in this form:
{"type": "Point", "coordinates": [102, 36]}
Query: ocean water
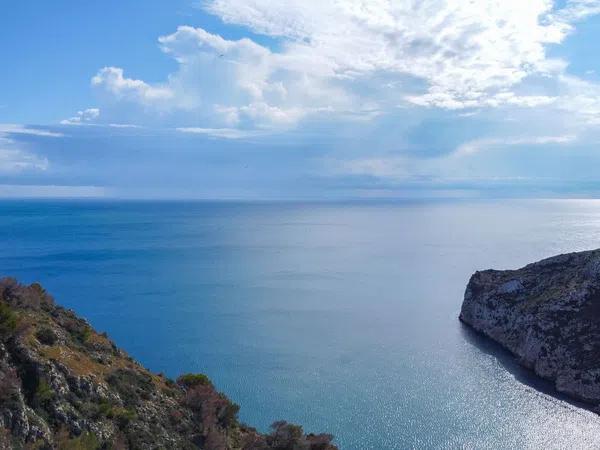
{"type": "Point", "coordinates": [338, 316]}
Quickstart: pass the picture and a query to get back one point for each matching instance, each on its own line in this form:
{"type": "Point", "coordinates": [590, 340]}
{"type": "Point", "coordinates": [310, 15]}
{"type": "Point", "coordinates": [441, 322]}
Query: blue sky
{"type": "Point", "coordinates": [262, 99]}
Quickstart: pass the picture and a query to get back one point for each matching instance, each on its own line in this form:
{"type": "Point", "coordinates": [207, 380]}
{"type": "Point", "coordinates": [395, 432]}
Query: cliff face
{"type": "Point", "coordinates": [65, 386]}
{"type": "Point", "coordinates": [548, 315]}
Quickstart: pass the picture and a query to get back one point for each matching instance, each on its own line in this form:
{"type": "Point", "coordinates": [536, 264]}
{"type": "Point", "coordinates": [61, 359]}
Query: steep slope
{"type": "Point", "coordinates": [548, 315]}
{"type": "Point", "coordinates": [65, 386]}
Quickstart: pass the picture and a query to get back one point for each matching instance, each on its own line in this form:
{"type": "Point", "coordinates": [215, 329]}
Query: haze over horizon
{"type": "Point", "coordinates": [258, 99]}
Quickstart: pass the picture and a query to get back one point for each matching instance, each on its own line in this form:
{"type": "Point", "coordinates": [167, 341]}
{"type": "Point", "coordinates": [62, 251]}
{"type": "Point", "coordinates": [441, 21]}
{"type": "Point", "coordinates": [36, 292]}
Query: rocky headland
{"type": "Point", "coordinates": [65, 386]}
{"type": "Point", "coordinates": [548, 315]}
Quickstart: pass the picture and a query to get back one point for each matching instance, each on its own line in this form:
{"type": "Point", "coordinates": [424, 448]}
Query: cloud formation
{"type": "Point", "coordinates": [13, 156]}
{"type": "Point", "coordinates": [353, 58]}
{"type": "Point", "coordinates": [82, 117]}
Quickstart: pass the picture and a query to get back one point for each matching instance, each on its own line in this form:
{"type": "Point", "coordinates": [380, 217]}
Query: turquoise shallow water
{"type": "Point", "coordinates": [342, 317]}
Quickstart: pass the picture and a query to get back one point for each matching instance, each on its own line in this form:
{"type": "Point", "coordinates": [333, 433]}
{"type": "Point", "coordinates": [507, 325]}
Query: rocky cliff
{"type": "Point", "coordinates": [65, 386]}
{"type": "Point", "coordinates": [548, 315]}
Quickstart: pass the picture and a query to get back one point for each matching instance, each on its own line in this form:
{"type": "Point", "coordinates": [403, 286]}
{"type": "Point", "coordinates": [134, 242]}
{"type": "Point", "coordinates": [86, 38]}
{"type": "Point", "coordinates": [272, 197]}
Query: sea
{"type": "Point", "coordinates": [339, 316]}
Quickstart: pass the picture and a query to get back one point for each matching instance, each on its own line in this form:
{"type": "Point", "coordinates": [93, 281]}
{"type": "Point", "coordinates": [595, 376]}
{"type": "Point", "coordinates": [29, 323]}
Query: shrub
{"type": "Point", "coordinates": [38, 289]}
{"type": "Point", "coordinates": [202, 398]}
{"type": "Point", "coordinates": [79, 332]}
{"type": "Point", "coordinates": [122, 416]}
{"type": "Point", "coordinates": [190, 380]}
{"type": "Point", "coordinates": [46, 336]}
{"type": "Point", "coordinates": [286, 435]}
{"type": "Point", "coordinates": [229, 416]}
{"type": "Point", "coordinates": [111, 411]}
{"type": "Point", "coordinates": [43, 393]}
{"type": "Point", "coordinates": [320, 441]}
{"type": "Point", "coordinates": [86, 441]}
{"type": "Point", "coordinates": [8, 288]}
{"type": "Point", "coordinates": [79, 329]}
{"type": "Point", "coordinates": [132, 385]}
{"type": "Point", "coordinates": [104, 408]}
{"type": "Point", "coordinates": [8, 320]}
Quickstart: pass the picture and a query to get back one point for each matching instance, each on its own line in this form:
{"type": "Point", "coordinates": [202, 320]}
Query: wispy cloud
{"type": "Point", "coordinates": [443, 168]}
{"type": "Point", "coordinates": [11, 128]}
{"type": "Point", "coordinates": [475, 146]}
{"type": "Point", "coordinates": [225, 133]}
{"type": "Point", "coordinates": [14, 157]}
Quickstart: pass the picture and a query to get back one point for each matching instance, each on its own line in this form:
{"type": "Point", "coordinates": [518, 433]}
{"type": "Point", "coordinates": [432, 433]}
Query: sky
{"type": "Point", "coordinates": [299, 99]}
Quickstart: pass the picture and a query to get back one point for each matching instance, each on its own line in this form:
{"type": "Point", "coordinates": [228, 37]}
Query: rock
{"type": "Point", "coordinates": [548, 315]}
{"type": "Point", "coordinates": [63, 385]}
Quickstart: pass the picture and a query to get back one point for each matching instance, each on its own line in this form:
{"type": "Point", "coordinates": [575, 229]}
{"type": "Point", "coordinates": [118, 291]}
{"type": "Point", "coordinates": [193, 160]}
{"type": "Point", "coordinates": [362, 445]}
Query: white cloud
{"type": "Point", "coordinates": [11, 128]}
{"type": "Point", "coordinates": [13, 156]}
{"type": "Point", "coordinates": [82, 117]}
{"type": "Point", "coordinates": [475, 146]}
{"type": "Point", "coordinates": [123, 125]}
{"type": "Point", "coordinates": [581, 98]}
{"type": "Point", "coordinates": [449, 167]}
{"type": "Point", "coordinates": [225, 133]}
{"type": "Point", "coordinates": [332, 56]}
{"type": "Point", "coordinates": [90, 116]}
{"type": "Point", "coordinates": [230, 83]}
{"type": "Point", "coordinates": [112, 80]}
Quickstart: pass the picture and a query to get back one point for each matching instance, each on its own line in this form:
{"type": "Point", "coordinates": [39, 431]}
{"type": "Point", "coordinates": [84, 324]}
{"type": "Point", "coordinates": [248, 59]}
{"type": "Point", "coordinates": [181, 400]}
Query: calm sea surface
{"type": "Point", "coordinates": [341, 317]}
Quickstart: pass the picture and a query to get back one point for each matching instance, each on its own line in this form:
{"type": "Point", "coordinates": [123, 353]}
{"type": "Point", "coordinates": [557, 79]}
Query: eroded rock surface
{"type": "Point", "coordinates": [548, 315]}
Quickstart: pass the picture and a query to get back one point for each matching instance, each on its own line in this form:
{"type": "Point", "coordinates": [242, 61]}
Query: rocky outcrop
{"type": "Point", "coordinates": [548, 315]}
{"type": "Point", "coordinates": [65, 386]}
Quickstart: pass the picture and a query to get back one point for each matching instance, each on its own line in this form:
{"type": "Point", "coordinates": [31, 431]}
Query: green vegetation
{"type": "Point", "coordinates": [81, 334]}
{"type": "Point", "coordinates": [43, 393]}
{"type": "Point", "coordinates": [46, 336]}
{"type": "Point", "coordinates": [112, 411]}
{"type": "Point", "coordinates": [79, 330]}
{"type": "Point", "coordinates": [230, 413]}
{"type": "Point", "coordinates": [105, 390]}
{"type": "Point", "coordinates": [8, 320]}
{"type": "Point", "coordinates": [190, 380]}
{"type": "Point", "coordinates": [132, 386]}
{"type": "Point", "coordinates": [87, 441]}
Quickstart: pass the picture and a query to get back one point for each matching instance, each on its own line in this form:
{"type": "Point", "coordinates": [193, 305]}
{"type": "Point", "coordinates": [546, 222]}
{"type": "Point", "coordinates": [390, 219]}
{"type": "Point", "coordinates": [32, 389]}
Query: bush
{"type": "Point", "coordinates": [43, 393]}
{"type": "Point", "coordinates": [320, 441]}
{"type": "Point", "coordinates": [229, 416]}
{"type": "Point", "coordinates": [8, 320]}
{"type": "Point", "coordinates": [79, 331]}
{"type": "Point", "coordinates": [46, 336]}
{"type": "Point", "coordinates": [190, 380]}
{"type": "Point", "coordinates": [286, 435]}
{"type": "Point", "coordinates": [123, 416]}
{"type": "Point", "coordinates": [111, 411]}
{"type": "Point", "coordinates": [86, 441]}
{"type": "Point", "coordinates": [133, 386]}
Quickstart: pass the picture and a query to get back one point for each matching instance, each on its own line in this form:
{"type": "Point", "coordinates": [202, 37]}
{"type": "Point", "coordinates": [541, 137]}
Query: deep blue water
{"type": "Point", "coordinates": [341, 317]}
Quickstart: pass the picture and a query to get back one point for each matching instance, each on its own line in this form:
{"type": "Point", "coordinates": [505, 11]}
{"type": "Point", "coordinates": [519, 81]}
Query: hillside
{"type": "Point", "coordinates": [65, 386]}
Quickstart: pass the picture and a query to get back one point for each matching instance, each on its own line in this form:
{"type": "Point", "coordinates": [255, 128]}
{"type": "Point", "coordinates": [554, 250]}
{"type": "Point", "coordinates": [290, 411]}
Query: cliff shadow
{"type": "Point", "coordinates": [511, 364]}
